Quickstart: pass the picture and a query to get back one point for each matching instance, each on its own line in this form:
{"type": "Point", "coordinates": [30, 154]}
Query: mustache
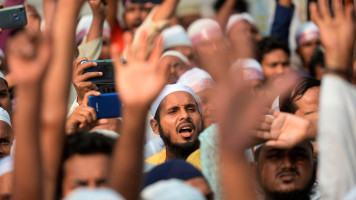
{"type": "Point", "coordinates": [184, 122]}
{"type": "Point", "coordinates": [287, 170]}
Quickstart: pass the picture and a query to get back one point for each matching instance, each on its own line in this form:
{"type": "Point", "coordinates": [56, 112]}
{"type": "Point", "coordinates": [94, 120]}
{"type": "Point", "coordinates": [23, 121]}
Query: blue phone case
{"type": "Point", "coordinates": [106, 105]}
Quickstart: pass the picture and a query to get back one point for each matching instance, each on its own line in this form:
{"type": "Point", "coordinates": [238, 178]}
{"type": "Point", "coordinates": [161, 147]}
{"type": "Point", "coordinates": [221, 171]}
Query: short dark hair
{"type": "Point", "coordinates": [269, 44]}
{"type": "Point", "coordinates": [288, 104]}
{"type": "Point", "coordinates": [84, 144]}
{"type": "Point", "coordinates": [240, 6]}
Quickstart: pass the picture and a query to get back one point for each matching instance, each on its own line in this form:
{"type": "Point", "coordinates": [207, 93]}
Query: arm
{"type": "Point", "coordinates": [49, 9]}
{"type": "Point", "coordinates": [99, 9]}
{"type": "Point", "coordinates": [137, 98]}
{"type": "Point", "coordinates": [28, 68]}
{"type": "Point", "coordinates": [282, 19]}
{"type": "Point", "coordinates": [222, 17]}
{"type": "Point", "coordinates": [166, 10]}
{"type": "Point", "coordinates": [112, 10]}
{"type": "Point", "coordinates": [56, 91]}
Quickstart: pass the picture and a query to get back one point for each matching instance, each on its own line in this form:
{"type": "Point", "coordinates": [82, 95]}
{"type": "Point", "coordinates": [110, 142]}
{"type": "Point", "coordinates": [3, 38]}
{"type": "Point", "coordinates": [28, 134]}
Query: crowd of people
{"type": "Point", "coordinates": [211, 108]}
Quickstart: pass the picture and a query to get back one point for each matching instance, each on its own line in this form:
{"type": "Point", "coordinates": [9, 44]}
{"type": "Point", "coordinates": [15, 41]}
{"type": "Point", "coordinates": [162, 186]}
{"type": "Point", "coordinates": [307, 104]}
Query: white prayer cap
{"type": "Point", "coordinates": [84, 26]}
{"type": "Point", "coordinates": [203, 29]}
{"type": "Point", "coordinates": [176, 54]}
{"type": "Point", "coordinates": [238, 17]}
{"type": "Point", "coordinates": [171, 88]}
{"type": "Point", "coordinates": [109, 133]}
{"type": "Point", "coordinates": [252, 69]}
{"type": "Point", "coordinates": [2, 55]}
{"type": "Point", "coordinates": [197, 79]}
{"type": "Point", "coordinates": [2, 76]}
{"type": "Point", "coordinates": [306, 32]}
{"type": "Point", "coordinates": [94, 194]}
{"type": "Point", "coordinates": [175, 36]}
{"type": "Point", "coordinates": [172, 189]}
{"type": "Point", "coordinates": [6, 165]}
{"type": "Point", "coordinates": [4, 116]}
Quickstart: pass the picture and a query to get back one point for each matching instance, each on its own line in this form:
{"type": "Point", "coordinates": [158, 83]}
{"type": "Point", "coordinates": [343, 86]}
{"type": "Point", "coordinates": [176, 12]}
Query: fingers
{"type": "Point", "coordinates": [81, 67]}
{"type": "Point", "coordinates": [88, 75]}
{"type": "Point", "coordinates": [338, 10]}
{"type": "Point", "coordinates": [314, 13]}
{"type": "Point", "coordinates": [141, 49]}
{"type": "Point", "coordinates": [87, 112]}
{"type": "Point", "coordinates": [85, 86]}
{"type": "Point", "coordinates": [324, 10]}
{"type": "Point", "coordinates": [86, 97]}
{"type": "Point", "coordinates": [77, 62]}
{"type": "Point", "coordinates": [265, 135]}
{"type": "Point", "coordinates": [279, 144]}
{"type": "Point", "coordinates": [157, 50]}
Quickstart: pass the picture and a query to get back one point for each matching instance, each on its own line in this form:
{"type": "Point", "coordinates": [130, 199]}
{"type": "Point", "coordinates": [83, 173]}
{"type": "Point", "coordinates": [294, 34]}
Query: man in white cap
{"type": "Point", "coordinates": [177, 119]}
{"type": "Point", "coordinates": [176, 38]}
{"type": "Point", "coordinates": [6, 134]}
{"type": "Point", "coordinates": [307, 38]}
{"type": "Point", "coordinates": [177, 63]}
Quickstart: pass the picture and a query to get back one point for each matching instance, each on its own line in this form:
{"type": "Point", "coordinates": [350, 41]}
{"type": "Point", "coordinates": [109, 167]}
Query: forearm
{"type": "Point", "coordinates": [237, 181]}
{"type": "Point", "coordinates": [49, 10]}
{"type": "Point", "coordinates": [166, 10]}
{"type": "Point", "coordinates": [27, 176]}
{"type": "Point", "coordinates": [96, 28]}
{"type": "Point", "coordinates": [56, 91]}
{"type": "Point", "coordinates": [128, 155]}
{"type": "Point", "coordinates": [222, 17]}
{"type": "Point", "coordinates": [112, 10]}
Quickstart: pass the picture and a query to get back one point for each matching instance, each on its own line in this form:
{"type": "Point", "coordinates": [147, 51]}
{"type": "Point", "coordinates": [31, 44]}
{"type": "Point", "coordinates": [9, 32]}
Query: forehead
{"type": "Point", "coordinates": [171, 59]}
{"type": "Point", "coordinates": [3, 84]}
{"type": "Point", "coordinates": [86, 166]}
{"type": "Point", "coordinates": [275, 55]}
{"type": "Point", "coordinates": [177, 99]}
{"type": "Point", "coordinates": [304, 146]}
{"type": "Point", "coordinates": [5, 129]}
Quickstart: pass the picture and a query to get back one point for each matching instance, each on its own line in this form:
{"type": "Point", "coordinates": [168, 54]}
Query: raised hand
{"type": "Point", "coordinates": [79, 79]}
{"type": "Point", "coordinates": [337, 33]}
{"type": "Point", "coordinates": [28, 58]}
{"type": "Point", "coordinates": [140, 80]}
{"type": "Point", "coordinates": [287, 130]}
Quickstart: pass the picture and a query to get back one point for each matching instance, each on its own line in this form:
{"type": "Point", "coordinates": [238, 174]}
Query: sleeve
{"type": "Point", "coordinates": [92, 49]}
{"type": "Point", "coordinates": [336, 137]}
{"type": "Point", "coordinates": [282, 20]}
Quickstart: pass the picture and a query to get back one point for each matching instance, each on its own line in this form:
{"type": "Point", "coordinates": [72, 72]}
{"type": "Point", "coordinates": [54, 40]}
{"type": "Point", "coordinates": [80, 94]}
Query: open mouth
{"type": "Point", "coordinates": [186, 129]}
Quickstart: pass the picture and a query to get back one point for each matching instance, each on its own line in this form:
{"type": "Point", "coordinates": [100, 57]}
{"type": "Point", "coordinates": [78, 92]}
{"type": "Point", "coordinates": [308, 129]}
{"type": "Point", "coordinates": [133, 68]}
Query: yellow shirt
{"type": "Point", "coordinates": [160, 157]}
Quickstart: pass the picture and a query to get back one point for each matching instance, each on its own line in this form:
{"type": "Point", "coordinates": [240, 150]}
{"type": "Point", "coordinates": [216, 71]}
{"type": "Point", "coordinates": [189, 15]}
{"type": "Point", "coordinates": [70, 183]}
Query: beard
{"type": "Point", "coordinates": [296, 194]}
{"type": "Point", "coordinates": [179, 151]}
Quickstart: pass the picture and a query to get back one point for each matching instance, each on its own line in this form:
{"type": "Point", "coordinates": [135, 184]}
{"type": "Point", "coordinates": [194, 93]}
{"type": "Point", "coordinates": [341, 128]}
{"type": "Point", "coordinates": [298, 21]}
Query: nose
{"type": "Point", "coordinates": [287, 162]}
{"type": "Point", "coordinates": [184, 114]}
{"type": "Point", "coordinates": [279, 69]}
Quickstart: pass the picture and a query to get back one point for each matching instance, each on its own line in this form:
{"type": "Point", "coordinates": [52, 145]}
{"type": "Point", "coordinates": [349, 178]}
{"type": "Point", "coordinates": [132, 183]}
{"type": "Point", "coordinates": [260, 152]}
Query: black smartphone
{"type": "Point", "coordinates": [13, 17]}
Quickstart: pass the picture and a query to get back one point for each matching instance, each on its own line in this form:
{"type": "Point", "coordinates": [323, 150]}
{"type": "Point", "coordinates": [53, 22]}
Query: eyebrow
{"type": "Point", "coordinates": [308, 113]}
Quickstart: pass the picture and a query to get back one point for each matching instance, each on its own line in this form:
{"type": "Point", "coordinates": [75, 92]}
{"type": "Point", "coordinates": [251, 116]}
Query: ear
{"type": "Point", "coordinates": [155, 126]}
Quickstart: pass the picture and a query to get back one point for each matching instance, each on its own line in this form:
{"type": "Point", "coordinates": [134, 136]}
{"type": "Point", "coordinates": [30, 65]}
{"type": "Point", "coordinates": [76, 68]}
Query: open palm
{"type": "Point", "coordinates": [140, 80]}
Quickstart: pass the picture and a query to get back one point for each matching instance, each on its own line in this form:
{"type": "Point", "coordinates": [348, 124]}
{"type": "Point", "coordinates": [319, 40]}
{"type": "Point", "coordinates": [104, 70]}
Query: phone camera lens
{"type": "Point", "coordinates": [19, 9]}
{"type": "Point", "coordinates": [16, 17]}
